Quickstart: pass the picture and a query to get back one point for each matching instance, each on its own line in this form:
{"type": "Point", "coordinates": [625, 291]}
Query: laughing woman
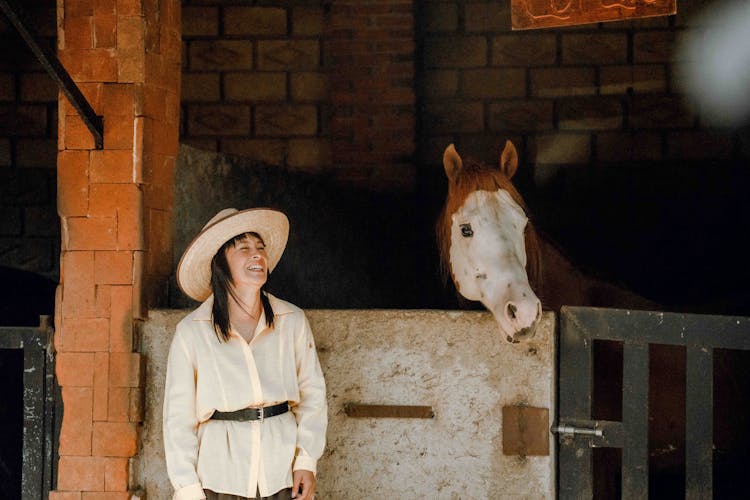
{"type": "Point", "coordinates": [245, 411]}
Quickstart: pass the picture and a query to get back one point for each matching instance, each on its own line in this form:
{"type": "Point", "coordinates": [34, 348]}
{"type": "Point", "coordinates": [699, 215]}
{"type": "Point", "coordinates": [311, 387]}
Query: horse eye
{"type": "Point", "coordinates": [466, 230]}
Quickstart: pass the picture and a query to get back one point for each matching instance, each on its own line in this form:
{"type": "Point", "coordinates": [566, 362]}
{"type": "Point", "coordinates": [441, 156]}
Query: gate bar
{"type": "Point", "coordinates": [699, 423]}
{"type": "Point", "coordinates": [57, 71]}
{"type": "Point", "coordinates": [635, 360]}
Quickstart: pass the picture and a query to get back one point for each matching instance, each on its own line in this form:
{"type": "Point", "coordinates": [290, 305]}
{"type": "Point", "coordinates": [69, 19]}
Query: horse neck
{"type": "Point", "coordinates": [564, 283]}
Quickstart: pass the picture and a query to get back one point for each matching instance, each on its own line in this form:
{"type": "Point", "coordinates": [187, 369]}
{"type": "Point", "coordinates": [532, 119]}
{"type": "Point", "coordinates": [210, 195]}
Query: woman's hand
{"type": "Point", "coordinates": [305, 479]}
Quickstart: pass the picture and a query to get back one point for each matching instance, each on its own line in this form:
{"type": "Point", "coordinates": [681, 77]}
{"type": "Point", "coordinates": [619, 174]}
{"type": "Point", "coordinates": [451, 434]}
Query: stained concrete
{"type": "Point", "coordinates": [453, 361]}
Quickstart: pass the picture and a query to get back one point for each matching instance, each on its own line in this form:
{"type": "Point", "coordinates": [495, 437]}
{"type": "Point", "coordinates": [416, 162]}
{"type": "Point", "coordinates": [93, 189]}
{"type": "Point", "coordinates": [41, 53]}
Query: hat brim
{"type": "Point", "coordinates": [194, 269]}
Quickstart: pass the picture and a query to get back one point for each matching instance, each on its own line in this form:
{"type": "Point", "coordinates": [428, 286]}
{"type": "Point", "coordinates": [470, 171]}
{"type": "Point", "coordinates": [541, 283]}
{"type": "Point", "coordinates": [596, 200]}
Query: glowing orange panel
{"type": "Point", "coordinates": [529, 14]}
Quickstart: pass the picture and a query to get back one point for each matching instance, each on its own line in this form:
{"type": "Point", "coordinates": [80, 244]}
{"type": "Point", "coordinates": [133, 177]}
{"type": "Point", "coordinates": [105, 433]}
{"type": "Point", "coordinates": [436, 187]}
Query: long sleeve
{"type": "Point", "coordinates": [312, 411]}
{"type": "Point", "coordinates": [180, 424]}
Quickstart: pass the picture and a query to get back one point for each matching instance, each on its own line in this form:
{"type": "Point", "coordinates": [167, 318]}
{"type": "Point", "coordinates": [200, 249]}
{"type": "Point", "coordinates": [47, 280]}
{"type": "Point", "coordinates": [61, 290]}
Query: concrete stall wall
{"type": "Point", "coordinates": [452, 361]}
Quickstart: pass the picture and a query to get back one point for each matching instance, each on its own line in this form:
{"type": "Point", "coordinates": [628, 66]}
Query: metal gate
{"type": "Point", "coordinates": [636, 330]}
{"type": "Point", "coordinates": [39, 422]}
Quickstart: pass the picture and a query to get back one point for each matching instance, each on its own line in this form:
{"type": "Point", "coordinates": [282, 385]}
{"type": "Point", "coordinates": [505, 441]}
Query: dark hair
{"type": "Point", "coordinates": [221, 286]}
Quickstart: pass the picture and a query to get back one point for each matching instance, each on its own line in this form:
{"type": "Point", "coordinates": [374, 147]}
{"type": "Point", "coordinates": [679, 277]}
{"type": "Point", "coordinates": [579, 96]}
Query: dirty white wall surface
{"type": "Point", "coordinates": [450, 360]}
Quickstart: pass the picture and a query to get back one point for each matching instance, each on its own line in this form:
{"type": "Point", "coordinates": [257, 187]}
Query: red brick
{"type": "Point", "coordinates": [131, 32]}
{"type": "Point", "coordinates": [78, 292]}
{"type": "Point", "coordinates": [292, 55]}
{"type": "Point", "coordinates": [118, 131]}
{"type": "Point", "coordinates": [75, 434]}
{"type": "Point", "coordinates": [255, 21]}
{"type": "Point", "coordinates": [130, 7]}
{"type": "Point", "coordinates": [560, 149]}
{"type": "Point", "coordinates": [284, 120]}
{"type": "Point", "coordinates": [109, 495]}
{"type": "Point", "coordinates": [78, 8]}
{"type": "Point", "coordinates": [638, 78]}
{"type": "Point", "coordinates": [75, 369]}
{"type": "Point", "coordinates": [91, 233]}
{"type": "Point", "coordinates": [131, 67]}
{"type": "Point", "coordinates": [104, 199]}
{"type": "Point", "coordinates": [654, 47]}
{"type": "Point", "coordinates": [308, 21]}
{"type": "Point", "coordinates": [266, 86]}
{"type": "Point", "coordinates": [223, 120]}
{"type": "Point", "coordinates": [559, 82]}
{"type": "Point", "coordinates": [521, 115]}
{"type": "Point", "coordinates": [120, 98]}
{"type": "Point", "coordinates": [102, 301]}
{"type": "Point", "coordinates": [116, 474]}
{"type": "Point", "coordinates": [114, 439]}
{"type": "Point", "coordinates": [455, 52]}
{"type": "Point", "coordinates": [64, 495]}
{"type": "Point", "coordinates": [660, 111]}
{"type": "Point", "coordinates": [78, 32]}
{"type": "Point", "coordinates": [91, 91]}
{"type": "Point", "coordinates": [271, 151]}
{"type": "Point", "coordinates": [493, 83]}
{"type": "Point", "coordinates": [101, 386]}
{"type": "Point", "coordinates": [119, 404]}
{"type": "Point", "coordinates": [80, 473]}
{"type": "Point", "coordinates": [125, 369]}
{"type": "Point", "coordinates": [89, 334]}
{"type": "Point", "coordinates": [72, 183]}
{"type": "Point", "coordinates": [77, 135]}
{"type": "Point", "coordinates": [200, 21]}
{"type": "Point", "coordinates": [221, 54]}
{"type": "Point", "coordinates": [112, 166]}
{"type": "Point", "coordinates": [121, 322]}
{"type": "Point", "coordinates": [594, 48]}
{"type": "Point", "coordinates": [487, 16]}
{"type": "Point", "coordinates": [105, 31]}
{"type": "Point", "coordinates": [130, 227]}
{"type": "Point", "coordinates": [589, 113]}
{"type": "Point", "coordinates": [524, 50]}
{"type": "Point", "coordinates": [453, 118]}
{"type": "Point", "coordinates": [113, 268]}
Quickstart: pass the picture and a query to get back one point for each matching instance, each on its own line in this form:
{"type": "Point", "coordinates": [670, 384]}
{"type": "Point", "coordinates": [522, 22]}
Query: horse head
{"type": "Point", "coordinates": [483, 233]}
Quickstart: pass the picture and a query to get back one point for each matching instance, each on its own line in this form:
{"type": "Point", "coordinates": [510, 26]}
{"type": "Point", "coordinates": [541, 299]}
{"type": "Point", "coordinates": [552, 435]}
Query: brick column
{"type": "Point", "coordinates": [373, 107]}
{"type": "Point", "coordinates": [115, 210]}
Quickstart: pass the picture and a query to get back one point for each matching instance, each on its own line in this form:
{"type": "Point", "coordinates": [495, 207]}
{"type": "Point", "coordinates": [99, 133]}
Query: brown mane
{"type": "Point", "coordinates": [476, 176]}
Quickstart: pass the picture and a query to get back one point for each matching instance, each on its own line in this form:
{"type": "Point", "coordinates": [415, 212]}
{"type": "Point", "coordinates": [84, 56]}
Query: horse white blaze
{"type": "Point", "coordinates": [488, 260]}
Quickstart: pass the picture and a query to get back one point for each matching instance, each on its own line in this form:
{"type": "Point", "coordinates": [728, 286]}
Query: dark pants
{"type": "Point", "coordinates": [281, 495]}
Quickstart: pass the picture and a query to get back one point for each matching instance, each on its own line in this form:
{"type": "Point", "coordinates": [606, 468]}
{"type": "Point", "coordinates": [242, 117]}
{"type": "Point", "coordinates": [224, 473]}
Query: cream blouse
{"type": "Point", "coordinates": [204, 374]}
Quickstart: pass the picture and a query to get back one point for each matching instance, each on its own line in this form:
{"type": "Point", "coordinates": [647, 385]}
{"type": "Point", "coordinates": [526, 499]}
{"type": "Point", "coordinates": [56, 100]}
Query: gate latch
{"type": "Point", "coordinates": [571, 430]}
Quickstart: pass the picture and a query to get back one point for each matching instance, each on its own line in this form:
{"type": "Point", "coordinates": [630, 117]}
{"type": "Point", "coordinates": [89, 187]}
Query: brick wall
{"type": "Point", "coordinates": [29, 227]}
{"type": "Point", "coordinates": [583, 95]}
{"type": "Point", "coordinates": [115, 208]}
{"type": "Point", "coordinates": [308, 85]}
{"type": "Point", "coordinates": [254, 82]}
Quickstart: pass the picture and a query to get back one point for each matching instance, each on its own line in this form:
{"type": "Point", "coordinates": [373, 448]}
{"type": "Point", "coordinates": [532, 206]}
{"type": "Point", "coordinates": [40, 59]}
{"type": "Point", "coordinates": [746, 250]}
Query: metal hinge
{"type": "Point", "coordinates": [570, 430]}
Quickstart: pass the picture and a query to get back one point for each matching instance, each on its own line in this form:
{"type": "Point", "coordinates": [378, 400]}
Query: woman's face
{"type": "Point", "coordinates": [248, 262]}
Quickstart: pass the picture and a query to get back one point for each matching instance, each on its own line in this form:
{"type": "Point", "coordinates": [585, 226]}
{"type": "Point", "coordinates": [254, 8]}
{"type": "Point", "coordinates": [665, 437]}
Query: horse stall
{"type": "Point", "coordinates": [420, 403]}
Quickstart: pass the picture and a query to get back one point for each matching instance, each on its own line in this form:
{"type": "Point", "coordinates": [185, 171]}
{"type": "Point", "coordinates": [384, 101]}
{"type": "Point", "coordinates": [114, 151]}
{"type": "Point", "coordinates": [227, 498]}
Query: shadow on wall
{"type": "Point", "coordinates": [348, 248]}
{"type": "Point", "coordinates": [24, 296]}
{"type": "Point", "coordinates": [673, 233]}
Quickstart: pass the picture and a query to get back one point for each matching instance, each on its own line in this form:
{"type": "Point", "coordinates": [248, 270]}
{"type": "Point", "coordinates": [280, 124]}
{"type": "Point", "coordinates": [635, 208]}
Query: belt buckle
{"type": "Point", "coordinates": [260, 414]}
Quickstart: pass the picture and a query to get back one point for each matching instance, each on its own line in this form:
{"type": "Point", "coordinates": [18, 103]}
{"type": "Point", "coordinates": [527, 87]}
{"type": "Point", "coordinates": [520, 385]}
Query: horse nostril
{"type": "Point", "coordinates": [512, 310]}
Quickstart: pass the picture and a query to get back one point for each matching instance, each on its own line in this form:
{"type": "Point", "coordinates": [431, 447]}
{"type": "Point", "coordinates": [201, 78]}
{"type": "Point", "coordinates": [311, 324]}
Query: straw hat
{"type": "Point", "coordinates": [194, 269]}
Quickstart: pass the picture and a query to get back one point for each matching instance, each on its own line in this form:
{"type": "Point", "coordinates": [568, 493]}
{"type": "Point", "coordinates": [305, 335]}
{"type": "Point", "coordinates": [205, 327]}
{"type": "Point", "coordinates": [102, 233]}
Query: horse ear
{"type": "Point", "coordinates": [451, 162]}
{"type": "Point", "coordinates": [509, 160]}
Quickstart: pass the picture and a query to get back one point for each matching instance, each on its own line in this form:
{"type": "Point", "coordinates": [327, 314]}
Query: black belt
{"type": "Point", "coordinates": [246, 414]}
